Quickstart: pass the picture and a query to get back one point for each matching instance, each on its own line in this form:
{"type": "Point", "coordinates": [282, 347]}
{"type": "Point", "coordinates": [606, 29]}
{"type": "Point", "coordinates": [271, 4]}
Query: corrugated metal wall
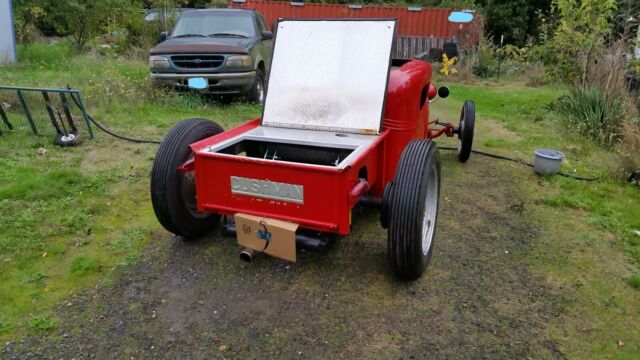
{"type": "Point", "coordinates": [427, 22]}
{"type": "Point", "coordinates": [407, 47]}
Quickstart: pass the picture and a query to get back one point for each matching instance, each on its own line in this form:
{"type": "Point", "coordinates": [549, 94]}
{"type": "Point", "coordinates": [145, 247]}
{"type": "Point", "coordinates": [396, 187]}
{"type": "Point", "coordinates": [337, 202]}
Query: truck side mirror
{"type": "Point", "coordinates": [163, 36]}
{"type": "Point", "coordinates": [267, 35]}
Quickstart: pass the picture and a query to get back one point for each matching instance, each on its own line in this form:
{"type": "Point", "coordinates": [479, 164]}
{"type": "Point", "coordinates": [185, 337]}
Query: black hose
{"type": "Point", "coordinates": [107, 131]}
{"type": "Point", "coordinates": [500, 157]}
{"type": "Point", "coordinates": [122, 137]}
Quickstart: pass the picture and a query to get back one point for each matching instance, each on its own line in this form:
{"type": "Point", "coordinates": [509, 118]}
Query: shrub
{"type": "Point", "coordinates": [593, 113]}
{"type": "Point", "coordinates": [486, 60]}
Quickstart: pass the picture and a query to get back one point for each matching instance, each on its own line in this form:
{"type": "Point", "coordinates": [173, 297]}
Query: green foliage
{"type": "Point", "coordinates": [634, 282]}
{"type": "Point", "coordinates": [593, 113]}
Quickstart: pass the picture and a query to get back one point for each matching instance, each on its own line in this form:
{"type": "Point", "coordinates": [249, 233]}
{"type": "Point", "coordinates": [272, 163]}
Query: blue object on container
{"type": "Point", "coordinates": [460, 17]}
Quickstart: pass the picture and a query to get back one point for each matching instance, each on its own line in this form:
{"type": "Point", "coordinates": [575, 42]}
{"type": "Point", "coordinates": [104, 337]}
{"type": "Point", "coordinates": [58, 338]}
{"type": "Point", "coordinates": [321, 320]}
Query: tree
{"type": "Point", "coordinates": [83, 20]}
{"type": "Point", "coordinates": [581, 33]}
{"type": "Point", "coordinates": [26, 14]}
{"type": "Point", "coordinates": [516, 20]}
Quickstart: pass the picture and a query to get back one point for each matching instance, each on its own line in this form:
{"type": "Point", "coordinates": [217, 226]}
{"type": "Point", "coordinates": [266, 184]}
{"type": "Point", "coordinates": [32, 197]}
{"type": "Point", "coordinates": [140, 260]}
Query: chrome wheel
{"type": "Point", "coordinates": [261, 92]}
{"type": "Point", "coordinates": [430, 210]}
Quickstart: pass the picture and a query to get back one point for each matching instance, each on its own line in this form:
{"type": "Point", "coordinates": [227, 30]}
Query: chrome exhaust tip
{"type": "Point", "coordinates": [247, 255]}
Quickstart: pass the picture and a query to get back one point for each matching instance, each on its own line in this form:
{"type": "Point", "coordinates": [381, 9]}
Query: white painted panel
{"type": "Point", "coordinates": [329, 75]}
{"type": "Point", "coordinates": [7, 33]}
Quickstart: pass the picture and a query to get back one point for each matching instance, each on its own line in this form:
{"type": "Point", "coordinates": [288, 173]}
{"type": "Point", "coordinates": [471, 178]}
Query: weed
{"type": "Point", "coordinates": [5, 326]}
{"type": "Point", "coordinates": [131, 259]}
{"type": "Point", "coordinates": [634, 282]}
{"type": "Point", "coordinates": [85, 264]}
{"type": "Point", "coordinates": [81, 242]}
{"type": "Point", "coordinates": [37, 278]}
{"type": "Point", "coordinates": [496, 143]}
{"type": "Point", "coordinates": [35, 295]}
{"type": "Point", "coordinates": [42, 324]}
{"type": "Point", "coordinates": [125, 241]}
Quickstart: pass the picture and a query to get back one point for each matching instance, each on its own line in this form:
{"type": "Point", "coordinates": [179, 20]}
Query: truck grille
{"type": "Point", "coordinates": [197, 61]}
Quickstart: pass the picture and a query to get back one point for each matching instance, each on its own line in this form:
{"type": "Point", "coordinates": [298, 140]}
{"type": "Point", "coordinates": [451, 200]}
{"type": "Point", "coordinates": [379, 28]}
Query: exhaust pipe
{"type": "Point", "coordinates": [247, 255]}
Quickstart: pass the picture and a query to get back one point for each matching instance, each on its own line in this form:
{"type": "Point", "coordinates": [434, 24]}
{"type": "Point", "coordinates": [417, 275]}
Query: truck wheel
{"type": "Point", "coordinates": [465, 130]}
{"type": "Point", "coordinates": [259, 89]}
{"type": "Point", "coordinates": [413, 209]}
{"type": "Point", "coordinates": [173, 193]}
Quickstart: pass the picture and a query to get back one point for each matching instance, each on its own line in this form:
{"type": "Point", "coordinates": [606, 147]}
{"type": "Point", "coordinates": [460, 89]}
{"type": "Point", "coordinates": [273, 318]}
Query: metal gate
{"type": "Point", "coordinates": [41, 111]}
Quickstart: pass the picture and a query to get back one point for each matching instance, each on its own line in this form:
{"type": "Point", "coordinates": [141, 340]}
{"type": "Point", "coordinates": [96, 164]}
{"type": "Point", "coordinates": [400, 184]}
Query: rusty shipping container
{"type": "Point", "coordinates": [412, 21]}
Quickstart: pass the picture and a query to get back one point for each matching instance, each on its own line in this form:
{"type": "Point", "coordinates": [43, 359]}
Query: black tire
{"type": "Point", "coordinates": [172, 193]}
{"type": "Point", "coordinates": [435, 55]}
{"type": "Point", "coordinates": [417, 179]}
{"type": "Point", "coordinates": [465, 130]}
{"type": "Point", "coordinates": [259, 88]}
{"type": "Point", "coordinates": [384, 206]}
{"type": "Point", "coordinates": [451, 49]}
{"type": "Point", "coordinates": [70, 139]}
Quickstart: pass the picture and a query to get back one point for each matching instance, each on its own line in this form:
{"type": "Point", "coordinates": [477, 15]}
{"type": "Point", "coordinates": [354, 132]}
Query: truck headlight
{"type": "Point", "coordinates": [158, 62]}
{"type": "Point", "coordinates": [238, 61]}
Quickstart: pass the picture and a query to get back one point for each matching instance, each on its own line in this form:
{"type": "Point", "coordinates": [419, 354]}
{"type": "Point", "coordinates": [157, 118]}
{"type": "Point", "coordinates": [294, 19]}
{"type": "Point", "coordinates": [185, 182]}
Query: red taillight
{"type": "Point", "coordinates": [433, 92]}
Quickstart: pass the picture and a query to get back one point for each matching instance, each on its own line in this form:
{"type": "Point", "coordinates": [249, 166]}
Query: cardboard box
{"type": "Point", "coordinates": [283, 235]}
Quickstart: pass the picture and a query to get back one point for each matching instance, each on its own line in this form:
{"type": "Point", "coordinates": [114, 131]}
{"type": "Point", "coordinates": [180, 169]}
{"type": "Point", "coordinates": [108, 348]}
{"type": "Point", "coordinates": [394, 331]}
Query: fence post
{"type": "Point", "coordinates": [27, 114]}
{"type": "Point", "coordinates": [84, 114]}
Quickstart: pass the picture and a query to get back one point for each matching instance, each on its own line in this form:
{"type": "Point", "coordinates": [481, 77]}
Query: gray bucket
{"type": "Point", "coordinates": [547, 161]}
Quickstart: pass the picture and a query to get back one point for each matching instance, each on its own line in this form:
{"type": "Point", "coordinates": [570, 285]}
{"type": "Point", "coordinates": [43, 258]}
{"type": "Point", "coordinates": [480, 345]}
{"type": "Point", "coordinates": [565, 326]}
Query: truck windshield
{"type": "Point", "coordinates": [211, 23]}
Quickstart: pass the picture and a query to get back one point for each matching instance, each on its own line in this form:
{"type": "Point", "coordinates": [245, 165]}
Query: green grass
{"type": "Point", "coordinates": [524, 113]}
{"type": "Point", "coordinates": [71, 217]}
{"type": "Point", "coordinates": [588, 244]}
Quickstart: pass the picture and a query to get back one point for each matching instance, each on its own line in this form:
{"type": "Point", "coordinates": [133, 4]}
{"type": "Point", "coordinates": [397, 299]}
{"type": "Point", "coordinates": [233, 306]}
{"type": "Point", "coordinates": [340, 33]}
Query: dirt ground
{"type": "Point", "coordinates": [478, 299]}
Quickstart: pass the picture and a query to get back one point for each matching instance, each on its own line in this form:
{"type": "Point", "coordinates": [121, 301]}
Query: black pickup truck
{"type": "Point", "coordinates": [230, 48]}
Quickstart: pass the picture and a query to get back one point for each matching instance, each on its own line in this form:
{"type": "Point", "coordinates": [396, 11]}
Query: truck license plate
{"type": "Point", "coordinates": [198, 83]}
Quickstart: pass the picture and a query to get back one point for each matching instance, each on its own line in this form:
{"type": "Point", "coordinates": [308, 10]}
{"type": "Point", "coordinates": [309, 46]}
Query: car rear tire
{"type": "Point", "coordinates": [451, 49]}
{"type": "Point", "coordinates": [413, 209]}
{"type": "Point", "coordinates": [465, 130]}
{"type": "Point", "coordinates": [173, 193]}
{"type": "Point", "coordinates": [435, 55]}
{"type": "Point", "coordinates": [259, 89]}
